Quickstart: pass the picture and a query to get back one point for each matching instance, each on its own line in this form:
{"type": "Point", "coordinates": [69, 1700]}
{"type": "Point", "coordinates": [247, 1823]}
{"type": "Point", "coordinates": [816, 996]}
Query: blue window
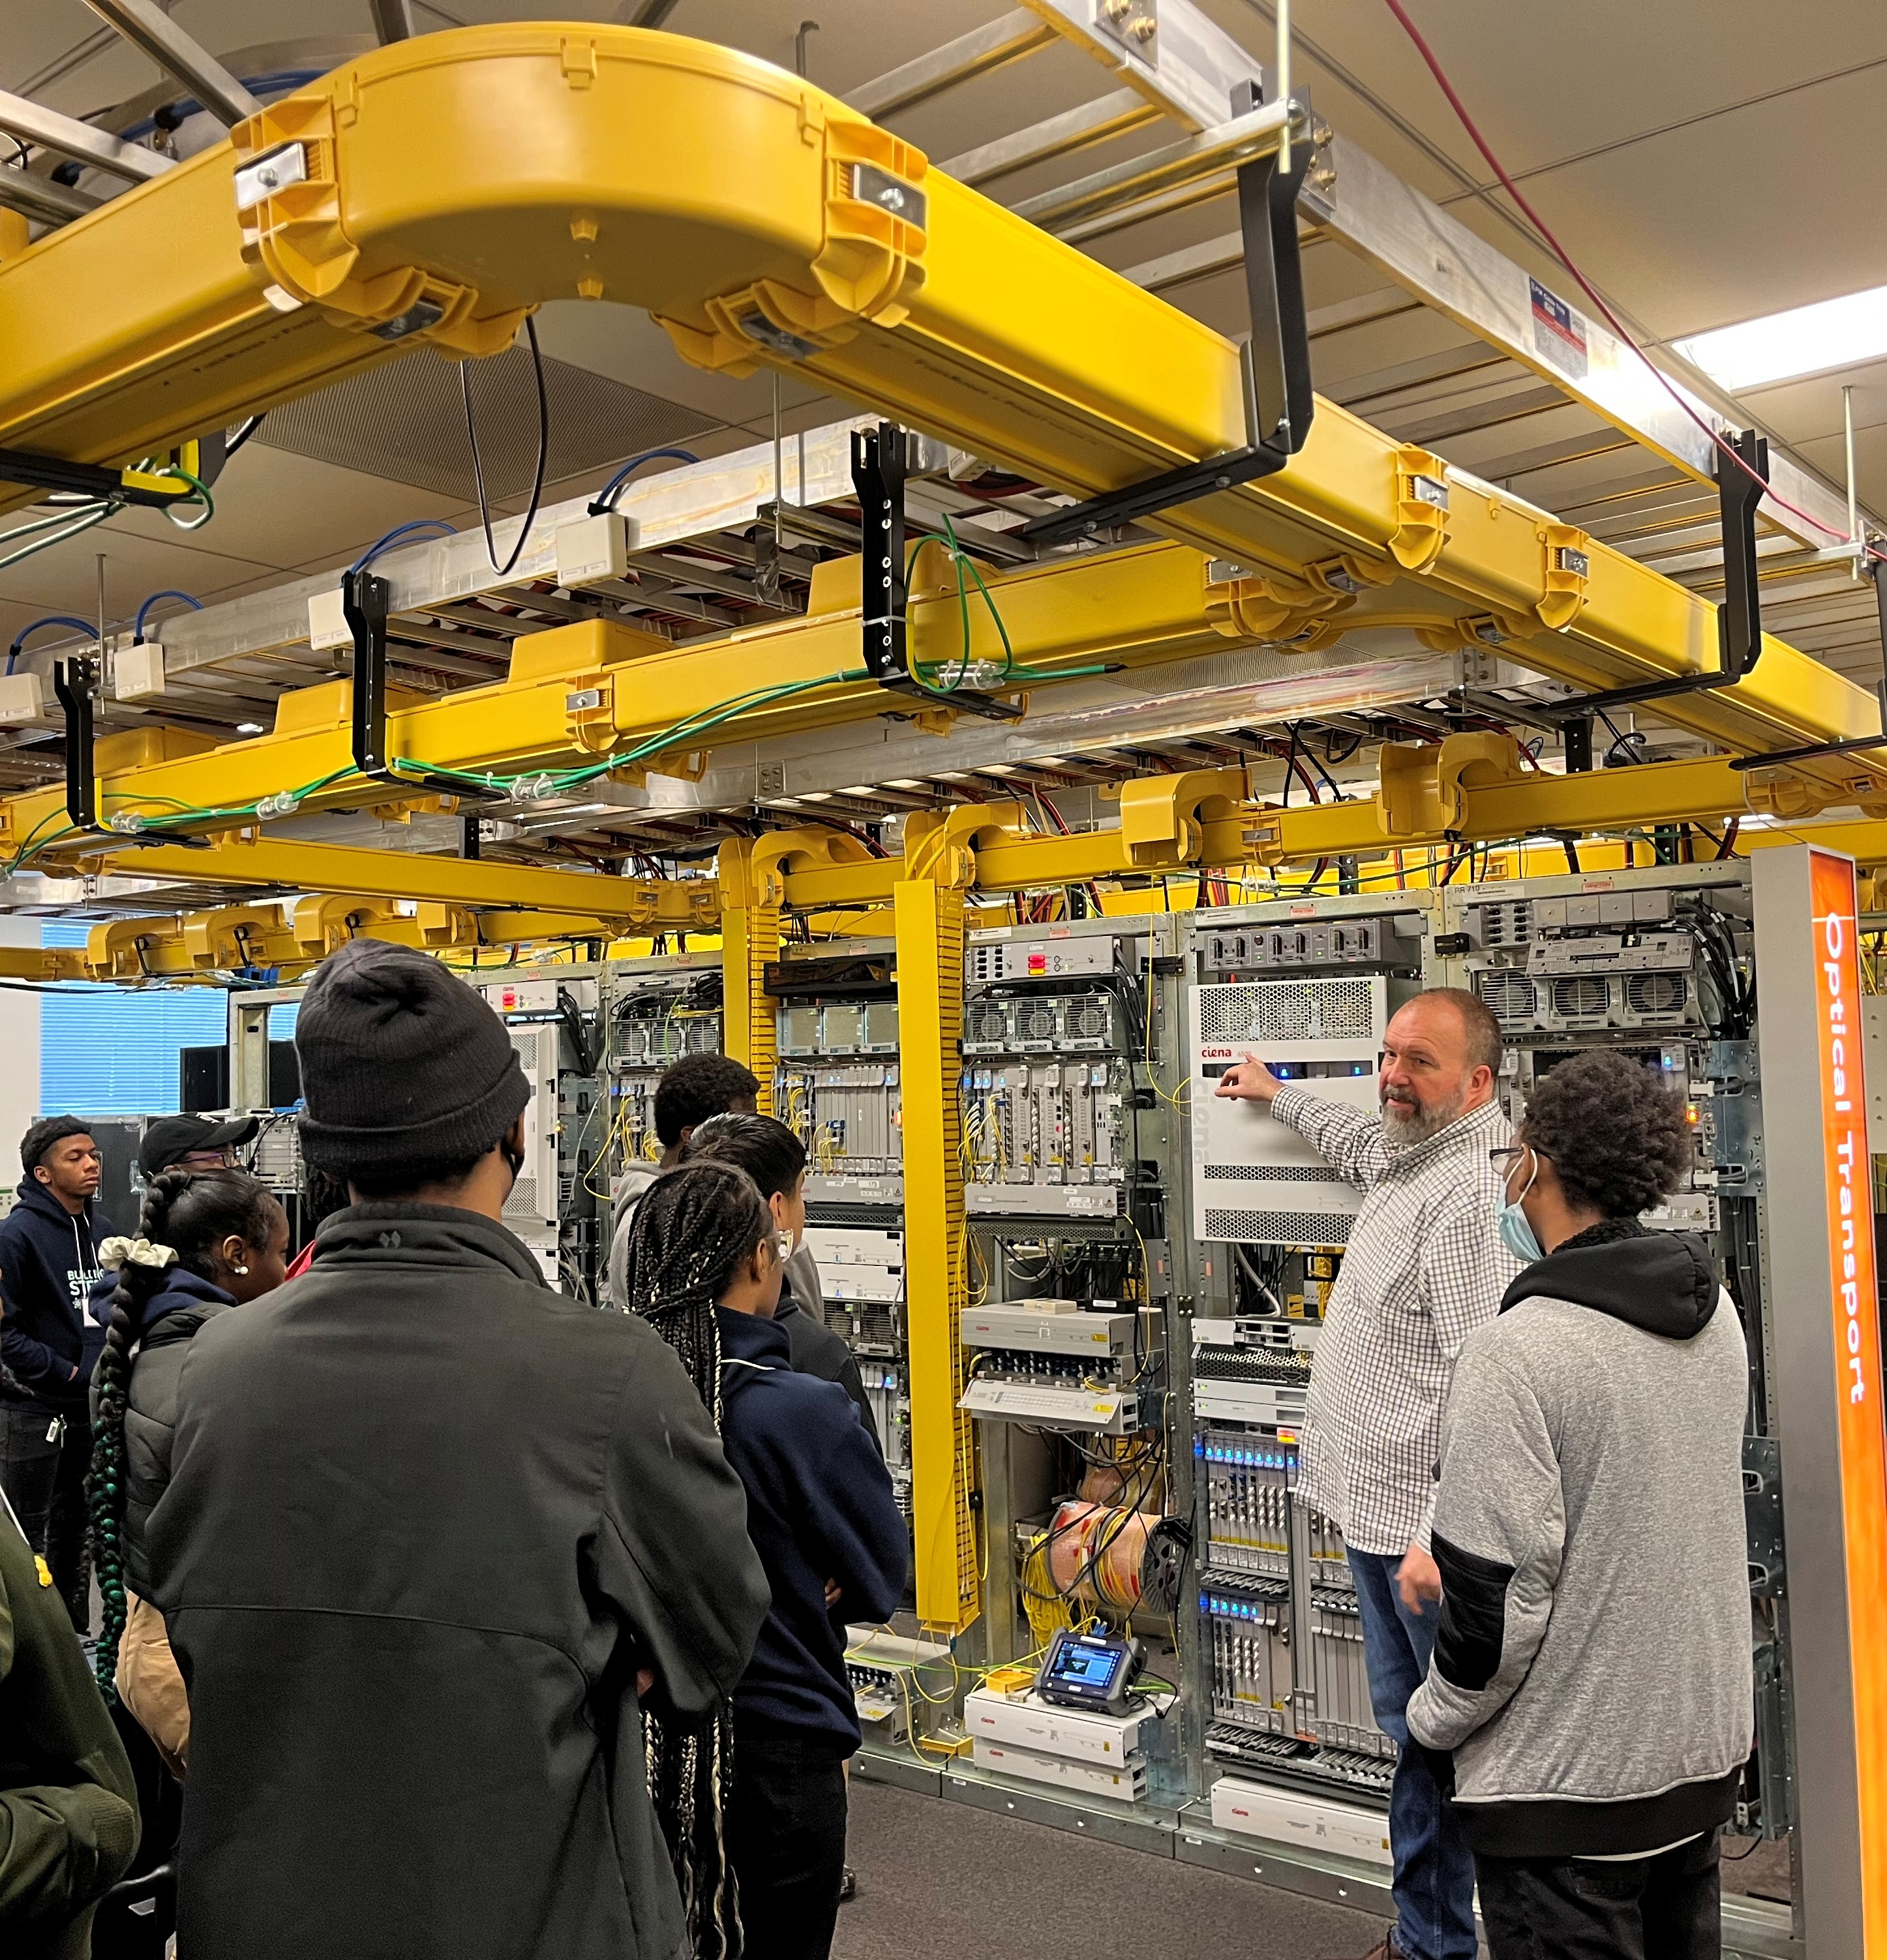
{"type": "Point", "coordinates": [113, 1051]}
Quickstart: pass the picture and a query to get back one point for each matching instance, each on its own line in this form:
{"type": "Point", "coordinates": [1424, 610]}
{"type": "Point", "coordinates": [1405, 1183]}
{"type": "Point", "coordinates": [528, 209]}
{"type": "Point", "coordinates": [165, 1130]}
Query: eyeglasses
{"type": "Point", "coordinates": [1507, 1155]}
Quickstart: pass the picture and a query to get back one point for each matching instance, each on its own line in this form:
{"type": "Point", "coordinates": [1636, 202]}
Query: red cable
{"type": "Point", "coordinates": [1612, 320]}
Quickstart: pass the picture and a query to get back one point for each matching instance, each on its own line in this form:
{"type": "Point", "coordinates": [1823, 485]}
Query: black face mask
{"type": "Point", "coordinates": [515, 1159]}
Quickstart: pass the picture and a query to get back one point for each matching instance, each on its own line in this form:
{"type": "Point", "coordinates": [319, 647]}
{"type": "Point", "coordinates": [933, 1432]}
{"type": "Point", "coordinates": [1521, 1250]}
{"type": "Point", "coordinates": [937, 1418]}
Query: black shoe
{"type": "Point", "coordinates": [848, 1886]}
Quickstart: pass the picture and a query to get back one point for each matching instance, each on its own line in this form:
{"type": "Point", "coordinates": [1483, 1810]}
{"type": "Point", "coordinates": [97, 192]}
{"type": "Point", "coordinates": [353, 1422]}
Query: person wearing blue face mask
{"type": "Point", "coordinates": [1517, 1228]}
{"type": "Point", "coordinates": [1590, 1692]}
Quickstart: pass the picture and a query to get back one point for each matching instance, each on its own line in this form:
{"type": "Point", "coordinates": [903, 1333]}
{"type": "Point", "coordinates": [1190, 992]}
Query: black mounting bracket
{"type": "Point", "coordinates": [1279, 400]}
{"type": "Point", "coordinates": [73, 682]}
{"type": "Point", "coordinates": [364, 597]}
{"type": "Point", "coordinates": [877, 475]}
{"type": "Point", "coordinates": [1877, 571]}
{"type": "Point", "coordinates": [57, 472]}
{"type": "Point", "coordinates": [54, 472]}
{"type": "Point", "coordinates": [1740, 485]}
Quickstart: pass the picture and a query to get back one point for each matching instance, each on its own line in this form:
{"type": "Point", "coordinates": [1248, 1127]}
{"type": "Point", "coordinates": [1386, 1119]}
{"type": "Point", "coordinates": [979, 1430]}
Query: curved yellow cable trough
{"type": "Point", "coordinates": [450, 183]}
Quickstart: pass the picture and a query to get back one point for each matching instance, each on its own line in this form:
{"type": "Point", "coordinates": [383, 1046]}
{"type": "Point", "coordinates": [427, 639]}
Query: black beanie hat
{"type": "Point", "coordinates": [401, 1064]}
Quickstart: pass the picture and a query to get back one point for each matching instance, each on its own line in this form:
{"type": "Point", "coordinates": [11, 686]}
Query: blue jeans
{"type": "Point", "coordinates": [1434, 1870]}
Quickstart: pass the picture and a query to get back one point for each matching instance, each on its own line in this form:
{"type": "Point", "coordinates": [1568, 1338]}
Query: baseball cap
{"type": "Point", "coordinates": [170, 1137]}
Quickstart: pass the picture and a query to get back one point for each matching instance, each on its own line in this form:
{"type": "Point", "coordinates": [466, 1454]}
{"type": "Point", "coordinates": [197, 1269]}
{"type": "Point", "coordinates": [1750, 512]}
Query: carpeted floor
{"type": "Point", "coordinates": [942, 1881]}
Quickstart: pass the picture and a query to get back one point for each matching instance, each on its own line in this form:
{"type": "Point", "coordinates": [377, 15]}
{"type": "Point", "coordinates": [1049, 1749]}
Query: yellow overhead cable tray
{"type": "Point", "coordinates": [290, 939]}
{"type": "Point", "coordinates": [1468, 789]}
{"type": "Point", "coordinates": [437, 189]}
{"type": "Point", "coordinates": [581, 694]}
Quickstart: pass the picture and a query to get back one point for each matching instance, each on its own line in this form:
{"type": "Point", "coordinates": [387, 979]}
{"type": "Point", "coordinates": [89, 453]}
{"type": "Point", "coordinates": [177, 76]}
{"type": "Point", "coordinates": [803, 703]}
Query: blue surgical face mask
{"type": "Point", "coordinates": [1516, 1234]}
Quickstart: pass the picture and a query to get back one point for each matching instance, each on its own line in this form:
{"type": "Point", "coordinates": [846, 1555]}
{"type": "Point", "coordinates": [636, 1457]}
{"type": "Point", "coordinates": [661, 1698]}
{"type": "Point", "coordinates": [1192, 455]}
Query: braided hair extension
{"type": "Point", "coordinates": [690, 1234]}
{"type": "Point", "coordinates": [190, 1211]}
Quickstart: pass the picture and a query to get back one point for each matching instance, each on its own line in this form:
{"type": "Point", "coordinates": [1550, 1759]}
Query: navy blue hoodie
{"type": "Point", "coordinates": [820, 1506]}
{"type": "Point", "coordinates": [49, 1262]}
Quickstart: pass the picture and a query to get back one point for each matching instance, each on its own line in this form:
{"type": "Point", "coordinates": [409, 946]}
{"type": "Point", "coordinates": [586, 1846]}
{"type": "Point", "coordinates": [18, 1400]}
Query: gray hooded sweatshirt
{"type": "Point", "coordinates": [1592, 1672]}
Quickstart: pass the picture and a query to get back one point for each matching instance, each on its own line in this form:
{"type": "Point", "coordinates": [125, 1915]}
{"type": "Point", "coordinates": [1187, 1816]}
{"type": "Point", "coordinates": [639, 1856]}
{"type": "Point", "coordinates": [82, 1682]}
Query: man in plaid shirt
{"type": "Point", "coordinates": [1425, 1266]}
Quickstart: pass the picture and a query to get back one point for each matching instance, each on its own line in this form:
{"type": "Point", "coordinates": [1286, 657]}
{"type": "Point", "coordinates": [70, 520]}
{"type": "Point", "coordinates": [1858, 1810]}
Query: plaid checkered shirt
{"type": "Point", "coordinates": [1425, 1267]}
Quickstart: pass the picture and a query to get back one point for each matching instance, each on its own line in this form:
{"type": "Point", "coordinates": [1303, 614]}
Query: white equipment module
{"type": "Point", "coordinates": [1085, 1751]}
{"type": "Point", "coordinates": [1255, 1180]}
{"type": "Point", "coordinates": [531, 1211]}
{"type": "Point", "coordinates": [1255, 1810]}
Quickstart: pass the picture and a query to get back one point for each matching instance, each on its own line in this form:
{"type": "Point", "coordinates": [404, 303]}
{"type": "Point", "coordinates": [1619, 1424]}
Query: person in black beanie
{"type": "Point", "coordinates": [433, 1535]}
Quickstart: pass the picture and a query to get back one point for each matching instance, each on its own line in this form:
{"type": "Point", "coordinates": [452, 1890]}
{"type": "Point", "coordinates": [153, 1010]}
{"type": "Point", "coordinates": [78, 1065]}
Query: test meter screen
{"type": "Point", "coordinates": [1092, 1667]}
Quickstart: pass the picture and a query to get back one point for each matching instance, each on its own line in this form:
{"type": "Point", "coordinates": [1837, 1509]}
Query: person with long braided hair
{"type": "Point", "coordinates": [207, 1241]}
{"type": "Point", "coordinates": [754, 1809]}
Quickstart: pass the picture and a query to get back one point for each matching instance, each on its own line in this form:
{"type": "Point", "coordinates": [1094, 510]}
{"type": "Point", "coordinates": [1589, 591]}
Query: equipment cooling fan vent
{"type": "Point", "coordinates": [1036, 1022]}
{"type": "Point", "coordinates": [1582, 997]}
{"type": "Point", "coordinates": [1289, 1010]}
{"type": "Point", "coordinates": [1279, 1228]}
{"type": "Point", "coordinates": [1509, 995]}
{"type": "Point", "coordinates": [1087, 1020]}
{"type": "Point", "coordinates": [1662, 996]}
{"type": "Point", "coordinates": [986, 1025]}
{"type": "Point", "coordinates": [1269, 1174]}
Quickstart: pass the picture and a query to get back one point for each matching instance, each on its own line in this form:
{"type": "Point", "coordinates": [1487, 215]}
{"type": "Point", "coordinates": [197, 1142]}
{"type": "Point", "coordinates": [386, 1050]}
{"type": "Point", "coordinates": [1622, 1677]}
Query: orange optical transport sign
{"type": "Point", "coordinates": [1863, 1439]}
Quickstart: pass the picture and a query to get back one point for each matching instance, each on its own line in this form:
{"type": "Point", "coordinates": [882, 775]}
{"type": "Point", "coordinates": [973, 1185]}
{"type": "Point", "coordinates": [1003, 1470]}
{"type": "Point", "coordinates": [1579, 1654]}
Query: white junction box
{"type": "Point", "coordinates": [1255, 1180]}
{"type": "Point", "coordinates": [1083, 1734]}
{"type": "Point", "coordinates": [26, 701]}
{"type": "Point", "coordinates": [327, 622]}
{"type": "Point", "coordinates": [1255, 1810]}
{"type": "Point", "coordinates": [1126, 1784]}
{"type": "Point", "coordinates": [594, 549]}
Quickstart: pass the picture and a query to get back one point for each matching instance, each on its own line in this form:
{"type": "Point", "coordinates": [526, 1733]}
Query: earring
{"type": "Point", "coordinates": [239, 1269]}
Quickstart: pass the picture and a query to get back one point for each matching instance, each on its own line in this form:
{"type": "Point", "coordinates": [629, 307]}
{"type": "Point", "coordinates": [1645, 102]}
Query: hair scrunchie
{"type": "Point", "coordinates": [117, 1253]}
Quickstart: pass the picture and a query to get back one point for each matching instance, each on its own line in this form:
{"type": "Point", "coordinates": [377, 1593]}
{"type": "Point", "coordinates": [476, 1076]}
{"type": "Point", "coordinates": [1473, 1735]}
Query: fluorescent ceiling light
{"type": "Point", "coordinates": [1805, 340]}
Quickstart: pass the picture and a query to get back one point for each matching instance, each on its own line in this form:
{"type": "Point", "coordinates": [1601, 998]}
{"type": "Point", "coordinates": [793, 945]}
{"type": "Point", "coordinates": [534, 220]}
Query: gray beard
{"type": "Point", "coordinates": [1404, 1124]}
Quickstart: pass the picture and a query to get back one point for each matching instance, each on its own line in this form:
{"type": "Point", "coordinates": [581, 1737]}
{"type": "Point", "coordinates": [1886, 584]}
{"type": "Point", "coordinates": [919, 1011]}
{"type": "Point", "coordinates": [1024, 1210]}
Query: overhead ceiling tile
{"type": "Point", "coordinates": [405, 421]}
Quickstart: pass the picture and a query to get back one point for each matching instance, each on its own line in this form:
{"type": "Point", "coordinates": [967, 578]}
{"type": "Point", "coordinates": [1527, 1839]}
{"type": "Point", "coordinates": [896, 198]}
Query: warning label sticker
{"type": "Point", "coordinates": [1559, 334]}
